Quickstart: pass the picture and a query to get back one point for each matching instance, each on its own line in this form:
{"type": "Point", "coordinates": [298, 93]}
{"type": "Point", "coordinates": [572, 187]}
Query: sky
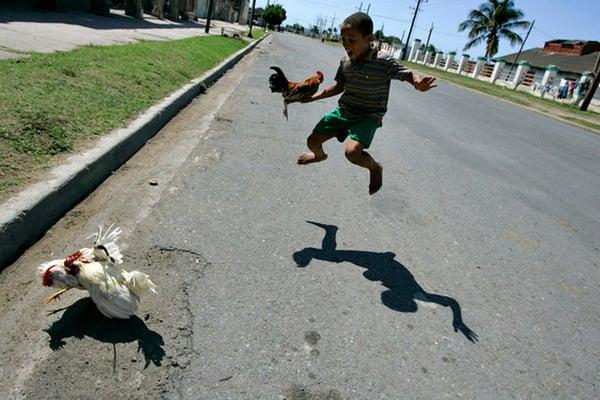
{"type": "Point", "coordinates": [554, 19]}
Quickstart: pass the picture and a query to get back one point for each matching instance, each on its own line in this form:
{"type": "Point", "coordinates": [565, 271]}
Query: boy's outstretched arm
{"type": "Point", "coordinates": [421, 83]}
{"type": "Point", "coordinates": [330, 91]}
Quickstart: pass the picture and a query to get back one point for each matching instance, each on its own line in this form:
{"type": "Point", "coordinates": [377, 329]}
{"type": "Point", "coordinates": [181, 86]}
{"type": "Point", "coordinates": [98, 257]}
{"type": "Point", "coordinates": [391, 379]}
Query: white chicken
{"type": "Point", "coordinates": [115, 291]}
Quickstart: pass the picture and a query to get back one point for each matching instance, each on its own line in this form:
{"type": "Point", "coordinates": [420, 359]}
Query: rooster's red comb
{"type": "Point", "coordinates": [47, 278]}
{"type": "Point", "coordinates": [72, 258]}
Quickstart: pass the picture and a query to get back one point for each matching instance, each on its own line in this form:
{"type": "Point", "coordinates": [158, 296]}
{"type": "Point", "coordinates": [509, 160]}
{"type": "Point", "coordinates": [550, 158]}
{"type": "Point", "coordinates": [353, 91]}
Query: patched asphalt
{"type": "Point", "coordinates": [279, 281]}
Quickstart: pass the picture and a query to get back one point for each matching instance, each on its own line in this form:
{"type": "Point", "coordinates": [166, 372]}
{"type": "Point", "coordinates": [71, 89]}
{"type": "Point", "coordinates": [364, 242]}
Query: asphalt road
{"type": "Point", "coordinates": [280, 281]}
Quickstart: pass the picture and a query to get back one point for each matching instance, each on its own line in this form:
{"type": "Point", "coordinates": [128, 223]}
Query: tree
{"type": "Point", "coordinates": [492, 21]}
{"type": "Point", "coordinates": [296, 28]}
{"type": "Point", "coordinates": [430, 48]}
{"type": "Point", "coordinates": [393, 39]}
{"type": "Point", "coordinates": [258, 13]}
{"type": "Point", "coordinates": [274, 15]}
{"type": "Point", "coordinates": [134, 9]}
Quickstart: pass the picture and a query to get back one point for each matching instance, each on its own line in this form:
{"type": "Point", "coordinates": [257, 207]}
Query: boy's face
{"type": "Point", "coordinates": [355, 43]}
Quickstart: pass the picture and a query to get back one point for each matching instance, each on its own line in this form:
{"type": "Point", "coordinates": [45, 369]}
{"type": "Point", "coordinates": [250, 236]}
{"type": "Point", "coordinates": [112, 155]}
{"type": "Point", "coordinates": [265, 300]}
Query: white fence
{"type": "Point", "coordinates": [549, 83]}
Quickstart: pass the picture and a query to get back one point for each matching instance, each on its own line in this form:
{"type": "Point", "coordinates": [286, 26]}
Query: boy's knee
{"type": "Point", "coordinates": [353, 152]}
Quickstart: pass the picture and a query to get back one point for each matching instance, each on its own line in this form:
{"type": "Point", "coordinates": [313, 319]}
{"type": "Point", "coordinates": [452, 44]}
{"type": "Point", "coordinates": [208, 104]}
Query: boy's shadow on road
{"type": "Point", "coordinates": [82, 318]}
{"type": "Point", "coordinates": [402, 289]}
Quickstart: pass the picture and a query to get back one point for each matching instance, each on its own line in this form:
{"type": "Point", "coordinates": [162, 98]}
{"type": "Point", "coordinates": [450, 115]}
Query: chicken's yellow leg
{"type": "Point", "coordinates": [55, 295]}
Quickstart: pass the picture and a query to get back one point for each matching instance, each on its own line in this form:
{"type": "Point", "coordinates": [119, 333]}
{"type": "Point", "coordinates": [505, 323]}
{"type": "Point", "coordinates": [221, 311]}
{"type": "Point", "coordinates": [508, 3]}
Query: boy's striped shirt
{"type": "Point", "coordinates": [367, 83]}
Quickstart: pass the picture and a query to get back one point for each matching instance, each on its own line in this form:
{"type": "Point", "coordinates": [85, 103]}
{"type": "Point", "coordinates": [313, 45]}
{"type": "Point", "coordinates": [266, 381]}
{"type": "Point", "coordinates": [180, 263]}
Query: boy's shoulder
{"type": "Point", "coordinates": [385, 57]}
{"type": "Point", "coordinates": [374, 57]}
{"type": "Point", "coordinates": [345, 59]}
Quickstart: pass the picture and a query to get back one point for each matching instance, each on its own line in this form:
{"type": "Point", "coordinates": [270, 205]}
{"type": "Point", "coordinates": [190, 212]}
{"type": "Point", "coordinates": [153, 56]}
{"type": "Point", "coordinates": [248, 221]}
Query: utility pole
{"type": "Point", "coordinates": [360, 8]}
{"type": "Point", "coordinates": [429, 37]}
{"type": "Point", "coordinates": [368, 8]}
{"type": "Point", "coordinates": [592, 90]}
{"type": "Point", "coordinates": [251, 19]}
{"type": "Point", "coordinates": [211, 4]}
{"type": "Point", "coordinates": [333, 21]}
{"type": "Point", "coordinates": [521, 48]}
{"type": "Point", "coordinates": [412, 24]}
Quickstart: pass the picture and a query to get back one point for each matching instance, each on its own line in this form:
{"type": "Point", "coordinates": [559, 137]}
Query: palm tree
{"type": "Point", "coordinates": [494, 20]}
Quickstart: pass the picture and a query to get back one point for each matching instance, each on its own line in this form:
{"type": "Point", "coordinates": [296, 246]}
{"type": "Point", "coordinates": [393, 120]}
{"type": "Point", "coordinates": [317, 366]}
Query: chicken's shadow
{"type": "Point", "coordinates": [401, 287]}
{"type": "Point", "coordinates": [82, 319]}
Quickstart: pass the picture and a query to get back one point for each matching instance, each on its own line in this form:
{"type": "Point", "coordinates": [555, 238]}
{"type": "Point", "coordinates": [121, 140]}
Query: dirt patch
{"type": "Point", "coordinates": [301, 392]}
{"type": "Point", "coordinates": [96, 357]}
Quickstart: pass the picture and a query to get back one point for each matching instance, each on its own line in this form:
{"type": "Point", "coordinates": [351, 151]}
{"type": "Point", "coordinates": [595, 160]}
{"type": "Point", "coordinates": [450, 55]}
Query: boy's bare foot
{"type": "Point", "coordinates": [310, 157]}
{"type": "Point", "coordinates": [375, 179]}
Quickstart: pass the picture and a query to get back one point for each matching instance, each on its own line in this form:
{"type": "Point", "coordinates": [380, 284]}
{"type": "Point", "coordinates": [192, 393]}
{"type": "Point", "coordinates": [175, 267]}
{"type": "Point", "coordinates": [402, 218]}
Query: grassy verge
{"type": "Point", "coordinates": [51, 104]}
{"type": "Point", "coordinates": [257, 33]}
{"type": "Point", "coordinates": [566, 112]}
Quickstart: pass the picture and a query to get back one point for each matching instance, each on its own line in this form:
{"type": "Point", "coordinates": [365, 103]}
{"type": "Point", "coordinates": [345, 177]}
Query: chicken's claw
{"type": "Point", "coordinates": [55, 296]}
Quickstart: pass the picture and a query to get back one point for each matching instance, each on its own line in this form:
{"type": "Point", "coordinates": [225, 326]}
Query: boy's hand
{"type": "Point", "coordinates": [424, 83]}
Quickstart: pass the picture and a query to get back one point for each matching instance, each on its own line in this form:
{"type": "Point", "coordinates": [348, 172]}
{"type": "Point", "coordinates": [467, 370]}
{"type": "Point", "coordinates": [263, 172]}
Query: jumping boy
{"type": "Point", "coordinates": [364, 79]}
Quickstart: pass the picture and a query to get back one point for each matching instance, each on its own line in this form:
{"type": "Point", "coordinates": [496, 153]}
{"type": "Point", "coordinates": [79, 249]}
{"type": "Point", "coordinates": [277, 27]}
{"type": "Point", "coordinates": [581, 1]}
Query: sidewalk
{"type": "Point", "coordinates": [24, 30]}
{"type": "Point", "coordinates": [26, 216]}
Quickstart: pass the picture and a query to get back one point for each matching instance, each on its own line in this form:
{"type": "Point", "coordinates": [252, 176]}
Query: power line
{"type": "Point", "coordinates": [428, 37]}
{"type": "Point", "coordinates": [352, 10]}
{"type": "Point", "coordinates": [592, 89]}
{"type": "Point", "coordinates": [385, 17]}
{"type": "Point", "coordinates": [412, 24]}
{"type": "Point", "coordinates": [251, 18]}
{"type": "Point", "coordinates": [211, 7]}
{"type": "Point", "coordinates": [442, 33]}
{"type": "Point", "coordinates": [390, 18]}
{"type": "Point", "coordinates": [521, 48]}
{"type": "Point", "coordinates": [544, 33]}
{"type": "Point", "coordinates": [326, 5]}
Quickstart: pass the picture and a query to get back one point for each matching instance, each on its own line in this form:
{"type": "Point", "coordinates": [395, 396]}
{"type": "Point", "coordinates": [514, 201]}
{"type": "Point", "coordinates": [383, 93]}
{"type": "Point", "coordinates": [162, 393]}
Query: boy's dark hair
{"type": "Point", "coordinates": [361, 22]}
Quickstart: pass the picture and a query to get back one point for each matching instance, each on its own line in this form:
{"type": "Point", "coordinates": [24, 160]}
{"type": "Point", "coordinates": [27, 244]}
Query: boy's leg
{"type": "Point", "coordinates": [356, 154]}
{"type": "Point", "coordinates": [315, 144]}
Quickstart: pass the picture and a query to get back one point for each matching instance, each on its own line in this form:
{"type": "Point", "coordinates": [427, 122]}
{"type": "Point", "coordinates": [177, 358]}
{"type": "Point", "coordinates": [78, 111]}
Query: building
{"type": "Point", "coordinates": [571, 47]}
{"type": "Point", "coordinates": [97, 6]}
{"type": "Point", "coordinates": [572, 57]}
{"type": "Point", "coordinates": [226, 10]}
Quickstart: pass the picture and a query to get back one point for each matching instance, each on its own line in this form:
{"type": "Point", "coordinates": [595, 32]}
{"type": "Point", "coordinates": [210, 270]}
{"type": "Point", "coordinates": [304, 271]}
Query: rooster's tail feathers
{"type": "Point", "coordinates": [277, 81]}
{"type": "Point", "coordinates": [139, 283]}
{"type": "Point", "coordinates": [105, 244]}
{"type": "Point", "coordinates": [277, 69]}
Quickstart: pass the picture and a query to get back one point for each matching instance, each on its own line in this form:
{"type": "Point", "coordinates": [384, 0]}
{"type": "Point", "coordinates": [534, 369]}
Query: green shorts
{"type": "Point", "coordinates": [341, 123]}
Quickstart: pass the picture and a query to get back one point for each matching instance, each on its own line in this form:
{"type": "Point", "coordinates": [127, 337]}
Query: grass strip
{"type": "Point", "coordinates": [566, 112]}
{"type": "Point", "coordinates": [257, 33]}
{"type": "Point", "coordinates": [52, 103]}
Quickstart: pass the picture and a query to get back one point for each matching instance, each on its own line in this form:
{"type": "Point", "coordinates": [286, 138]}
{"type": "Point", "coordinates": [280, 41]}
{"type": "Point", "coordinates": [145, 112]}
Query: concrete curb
{"type": "Point", "coordinates": [27, 216]}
